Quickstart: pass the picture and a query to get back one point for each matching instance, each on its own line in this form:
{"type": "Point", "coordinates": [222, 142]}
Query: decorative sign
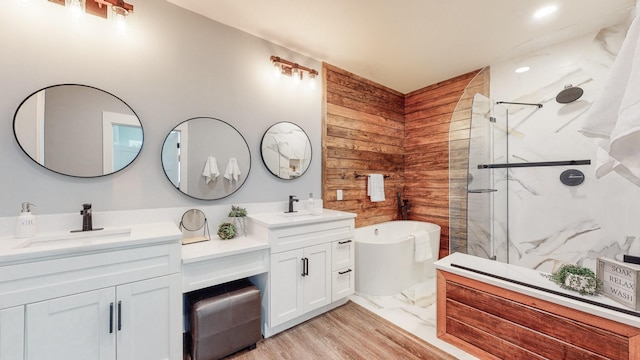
{"type": "Point", "coordinates": [620, 281]}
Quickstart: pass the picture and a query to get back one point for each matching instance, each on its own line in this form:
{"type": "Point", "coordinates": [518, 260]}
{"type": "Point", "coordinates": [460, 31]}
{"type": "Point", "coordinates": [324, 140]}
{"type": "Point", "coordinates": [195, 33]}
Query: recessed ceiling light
{"type": "Point", "coordinates": [522, 69]}
{"type": "Point", "coordinates": [545, 11]}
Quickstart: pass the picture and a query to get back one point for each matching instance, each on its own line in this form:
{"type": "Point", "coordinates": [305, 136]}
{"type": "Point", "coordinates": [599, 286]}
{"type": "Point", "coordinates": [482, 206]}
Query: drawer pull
{"type": "Point", "coordinates": [344, 272]}
{"type": "Point", "coordinates": [344, 242]}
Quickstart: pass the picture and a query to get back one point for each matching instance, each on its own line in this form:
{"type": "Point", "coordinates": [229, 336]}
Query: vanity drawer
{"type": "Point", "coordinates": [342, 254]}
{"type": "Point", "coordinates": [342, 283]}
{"type": "Point", "coordinates": [299, 236]}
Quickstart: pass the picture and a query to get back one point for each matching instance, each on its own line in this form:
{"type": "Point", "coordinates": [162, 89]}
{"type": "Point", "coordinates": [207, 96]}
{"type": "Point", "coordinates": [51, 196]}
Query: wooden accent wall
{"type": "Point", "coordinates": [428, 115]}
{"type": "Point", "coordinates": [363, 132]}
{"type": "Point", "coordinates": [369, 128]}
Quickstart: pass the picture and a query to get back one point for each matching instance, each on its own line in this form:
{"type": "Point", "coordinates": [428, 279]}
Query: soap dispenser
{"type": "Point", "coordinates": [310, 203]}
{"type": "Point", "coordinates": [26, 222]}
{"type": "Point", "coordinates": [312, 206]}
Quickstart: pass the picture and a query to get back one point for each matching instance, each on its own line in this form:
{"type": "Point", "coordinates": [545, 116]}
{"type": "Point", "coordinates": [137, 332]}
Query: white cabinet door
{"type": "Point", "coordinates": [285, 286]}
{"type": "Point", "coordinates": [76, 327]}
{"type": "Point", "coordinates": [12, 333]}
{"type": "Point", "coordinates": [149, 321]}
{"type": "Point", "coordinates": [317, 279]}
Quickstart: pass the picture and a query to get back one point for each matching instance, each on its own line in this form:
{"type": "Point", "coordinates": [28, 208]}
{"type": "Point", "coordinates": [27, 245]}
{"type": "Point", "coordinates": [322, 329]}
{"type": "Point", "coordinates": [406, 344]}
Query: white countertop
{"type": "Point", "coordinates": [67, 243]}
{"type": "Point", "coordinates": [282, 219]}
{"type": "Point", "coordinates": [535, 278]}
{"type": "Point", "coordinates": [216, 248]}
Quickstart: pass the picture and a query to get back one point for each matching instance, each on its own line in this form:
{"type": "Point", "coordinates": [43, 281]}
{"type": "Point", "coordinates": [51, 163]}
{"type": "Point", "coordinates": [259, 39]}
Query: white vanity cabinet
{"type": "Point", "coordinates": [311, 266]}
{"type": "Point", "coordinates": [130, 321]}
{"type": "Point", "coordinates": [301, 282]}
{"type": "Point", "coordinates": [12, 333]}
{"type": "Point", "coordinates": [114, 299]}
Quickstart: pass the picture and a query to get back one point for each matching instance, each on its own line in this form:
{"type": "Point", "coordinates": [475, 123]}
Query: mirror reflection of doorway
{"type": "Point", "coordinates": [171, 157]}
{"type": "Point", "coordinates": [121, 140]}
{"type": "Point", "coordinates": [175, 155]}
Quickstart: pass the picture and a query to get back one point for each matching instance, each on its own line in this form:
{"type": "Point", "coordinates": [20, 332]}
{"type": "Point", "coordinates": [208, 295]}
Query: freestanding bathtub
{"type": "Point", "coordinates": [384, 256]}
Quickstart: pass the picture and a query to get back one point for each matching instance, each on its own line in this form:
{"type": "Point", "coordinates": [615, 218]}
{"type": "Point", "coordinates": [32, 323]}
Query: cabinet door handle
{"type": "Point", "coordinates": [119, 315]}
{"type": "Point", "coordinates": [307, 262]}
{"type": "Point", "coordinates": [344, 272]}
{"type": "Point", "coordinates": [304, 266]}
{"type": "Point", "coordinates": [344, 242]}
{"type": "Point", "coordinates": [111, 318]}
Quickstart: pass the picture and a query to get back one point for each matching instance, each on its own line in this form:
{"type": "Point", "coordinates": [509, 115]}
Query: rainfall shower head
{"type": "Point", "coordinates": [569, 94]}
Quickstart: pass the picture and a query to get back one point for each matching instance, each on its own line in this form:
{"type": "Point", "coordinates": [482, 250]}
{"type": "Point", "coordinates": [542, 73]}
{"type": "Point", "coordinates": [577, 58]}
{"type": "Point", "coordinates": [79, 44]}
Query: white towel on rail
{"type": "Point", "coordinates": [375, 187]}
{"type": "Point", "coordinates": [232, 172]}
{"type": "Point", "coordinates": [422, 246]}
{"type": "Point", "coordinates": [614, 118]}
{"type": "Point", "coordinates": [210, 171]}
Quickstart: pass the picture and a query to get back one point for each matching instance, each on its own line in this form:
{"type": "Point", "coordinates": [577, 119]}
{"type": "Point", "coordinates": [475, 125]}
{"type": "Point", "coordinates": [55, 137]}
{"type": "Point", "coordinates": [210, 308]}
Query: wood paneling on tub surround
{"type": "Point", "coordinates": [494, 323]}
{"type": "Point", "coordinates": [369, 128]}
{"type": "Point", "coordinates": [364, 134]}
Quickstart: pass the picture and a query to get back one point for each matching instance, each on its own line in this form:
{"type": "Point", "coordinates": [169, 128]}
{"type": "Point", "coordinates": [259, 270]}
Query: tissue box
{"type": "Point", "coordinates": [620, 281]}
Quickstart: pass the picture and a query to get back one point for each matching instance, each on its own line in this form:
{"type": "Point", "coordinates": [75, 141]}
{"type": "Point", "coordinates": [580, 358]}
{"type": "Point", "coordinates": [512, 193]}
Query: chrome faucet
{"type": "Point", "coordinates": [292, 198]}
{"type": "Point", "coordinates": [86, 217]}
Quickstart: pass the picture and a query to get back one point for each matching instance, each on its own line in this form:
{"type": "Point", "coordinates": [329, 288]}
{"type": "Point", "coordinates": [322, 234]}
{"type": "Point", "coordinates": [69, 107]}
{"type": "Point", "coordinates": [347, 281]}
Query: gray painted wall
{"type": "Point", "coordinates": [171, 66]}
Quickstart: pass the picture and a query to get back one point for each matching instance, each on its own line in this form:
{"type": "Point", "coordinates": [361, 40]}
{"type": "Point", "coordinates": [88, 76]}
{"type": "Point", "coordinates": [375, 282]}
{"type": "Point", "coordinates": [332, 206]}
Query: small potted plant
{"type": "Point", "coordinates": [577, 278]}
{"type": "Point", "coordinates": [226, 231]}
{"type": "Point", "coordinates": [238, 215]}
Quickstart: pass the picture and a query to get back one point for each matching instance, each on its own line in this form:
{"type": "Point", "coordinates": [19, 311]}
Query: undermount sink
{"type": "Point", "coordinates": [71, 239]}
{"type": "Point", "coordinates": [299, 213]}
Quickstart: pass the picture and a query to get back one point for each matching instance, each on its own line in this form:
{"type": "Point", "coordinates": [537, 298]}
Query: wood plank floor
{"type": "Point", "coordinates": [347, 332]}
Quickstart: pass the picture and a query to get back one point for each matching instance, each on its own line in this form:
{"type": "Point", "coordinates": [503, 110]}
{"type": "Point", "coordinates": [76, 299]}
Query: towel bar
{"type": "Point", "coordinates": [356, 175]}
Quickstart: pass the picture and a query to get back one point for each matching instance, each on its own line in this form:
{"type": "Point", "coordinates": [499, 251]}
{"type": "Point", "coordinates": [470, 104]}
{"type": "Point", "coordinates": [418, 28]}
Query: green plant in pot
{"type": "Point", "coordinates": [226, 231]}
{"type": "Point", "coordinates": [238, 215]}
{"type": "Point", "coordinates": [576, 278]}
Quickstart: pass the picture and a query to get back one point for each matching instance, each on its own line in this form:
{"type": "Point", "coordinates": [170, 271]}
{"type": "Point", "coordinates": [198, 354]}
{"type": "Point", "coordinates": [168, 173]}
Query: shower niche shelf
{"type": "Point", "coordinates": [535, 164]}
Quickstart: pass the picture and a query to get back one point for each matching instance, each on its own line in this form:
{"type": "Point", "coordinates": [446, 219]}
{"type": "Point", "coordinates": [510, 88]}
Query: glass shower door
{"type": "Point", "coordinates": [487, 206]}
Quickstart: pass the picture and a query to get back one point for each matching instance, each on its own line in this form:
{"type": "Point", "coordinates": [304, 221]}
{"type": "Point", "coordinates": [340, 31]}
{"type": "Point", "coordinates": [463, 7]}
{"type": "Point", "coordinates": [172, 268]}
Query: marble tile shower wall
{"type": "Point", "coordinates": [551, 223]}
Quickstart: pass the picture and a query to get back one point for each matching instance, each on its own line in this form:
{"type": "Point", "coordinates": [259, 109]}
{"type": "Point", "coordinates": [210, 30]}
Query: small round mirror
{"type": "Point", "coordinates": [206, 158]}
{"type": "Point", "coordinates": [78, 130]}
{"type": "Point", "coordinates": [286, 150]}
{"type": "Point", "coordinates": [194, 226]}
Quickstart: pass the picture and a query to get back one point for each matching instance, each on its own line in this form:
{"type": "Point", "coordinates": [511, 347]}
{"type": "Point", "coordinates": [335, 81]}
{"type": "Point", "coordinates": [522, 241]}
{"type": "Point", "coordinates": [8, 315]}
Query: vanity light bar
{"type": "Point", "coordinates": [99, 7]}
{"type": "Point", "coordinates": [289, 68]}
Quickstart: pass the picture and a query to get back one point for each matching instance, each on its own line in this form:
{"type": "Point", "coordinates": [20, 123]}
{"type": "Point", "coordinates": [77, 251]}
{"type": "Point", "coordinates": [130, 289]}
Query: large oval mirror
{"type": "Point", "coordinates": [206, 158]}
{"type": "Point", "coordinates": [78, 130]}
{"type": "Point", "coordinates": [286, 150]}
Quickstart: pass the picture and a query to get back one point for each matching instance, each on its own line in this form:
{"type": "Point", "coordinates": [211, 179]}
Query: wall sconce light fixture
{"type": "Point", "coordinates": [294, 70]}
{"type": "Point", "coordinates": [98, 7]}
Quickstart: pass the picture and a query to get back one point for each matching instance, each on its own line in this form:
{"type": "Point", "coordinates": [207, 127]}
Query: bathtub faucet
{"type": "Point", "coordinates": [403, 207]}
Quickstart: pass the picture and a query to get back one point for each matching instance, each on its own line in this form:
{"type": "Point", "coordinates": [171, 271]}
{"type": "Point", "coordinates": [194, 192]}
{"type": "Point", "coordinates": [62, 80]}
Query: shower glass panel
{"type": "Point", "coordinates": [487, 206]}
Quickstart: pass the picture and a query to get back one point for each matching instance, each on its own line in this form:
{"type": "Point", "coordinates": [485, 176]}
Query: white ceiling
{"type": "Point", "coordinates": [409, 44]}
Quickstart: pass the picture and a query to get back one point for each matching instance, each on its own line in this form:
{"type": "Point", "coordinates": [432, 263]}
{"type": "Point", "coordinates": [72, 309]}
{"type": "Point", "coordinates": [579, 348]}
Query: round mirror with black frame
{"type": "Point", "coordinates": [206, 158]}
{"type": "Point", "coordinates": [286, 150]}
{"type": "Point", "coordinates": [78, 130]}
